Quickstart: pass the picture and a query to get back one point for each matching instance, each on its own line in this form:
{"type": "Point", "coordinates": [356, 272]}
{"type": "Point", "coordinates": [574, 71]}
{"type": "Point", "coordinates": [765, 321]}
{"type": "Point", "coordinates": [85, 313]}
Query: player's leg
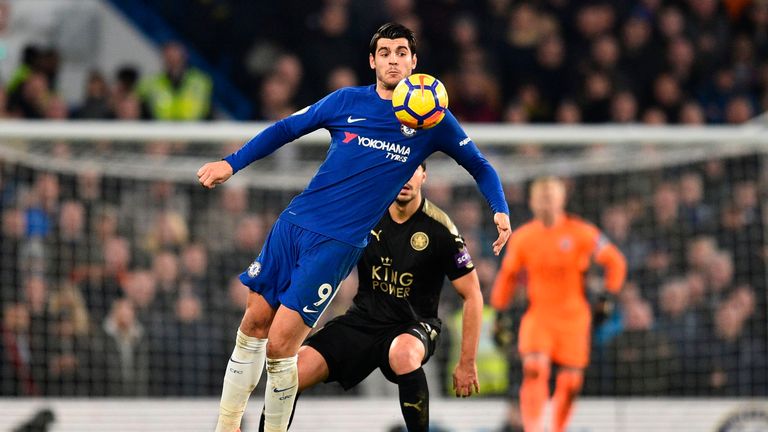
{"type": "Point", "coordinates": [246, 362]}
{"type": "Point", "coordinates": [265, 277]}
{"type": "Point", "coordinates": [321, 266]}
{"type": "Point", "coordinates": [572, 354]}
{"type": "Point", "coordinates": [313, 370]}
{"type": "Point", "coordinates": [406, 355]}
{"type": "Point", "coordinates": [535, 345]}
{"type": "Point", "coordinates": [568, 386]}
{"type": "Point", "coordinates": [534, 392]}
{"type": "Point", "coordinates": [286, 334]}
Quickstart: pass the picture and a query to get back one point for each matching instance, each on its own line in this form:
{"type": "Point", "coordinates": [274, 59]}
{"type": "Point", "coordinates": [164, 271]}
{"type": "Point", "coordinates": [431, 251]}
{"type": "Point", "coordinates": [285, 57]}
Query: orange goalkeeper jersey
{"type": "Point", "coordinates": [555, 260]}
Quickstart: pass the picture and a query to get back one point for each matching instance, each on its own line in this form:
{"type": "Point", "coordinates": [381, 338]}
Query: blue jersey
{"type": "Point", "coordinates": [370, 158]}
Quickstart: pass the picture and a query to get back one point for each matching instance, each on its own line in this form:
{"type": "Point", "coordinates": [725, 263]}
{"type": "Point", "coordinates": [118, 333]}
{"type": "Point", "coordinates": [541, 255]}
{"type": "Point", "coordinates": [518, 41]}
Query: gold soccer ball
{"type": "Point", "coordinates": [420, 101]}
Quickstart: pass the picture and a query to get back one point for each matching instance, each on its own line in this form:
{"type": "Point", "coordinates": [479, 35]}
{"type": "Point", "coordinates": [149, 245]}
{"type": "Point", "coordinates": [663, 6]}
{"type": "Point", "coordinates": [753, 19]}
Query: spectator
{"type": "Point", "coordinates": [639, 59]}
{"type": "Point", "coordinates": [165, 268]}
{"type": "Point", "coordinates": [126, 352]}
{"type": "Point", "coordinates": [276, 99]}
{"type": "Point", "coordinates": [250, 234]}
{"type": "Point", "coordinates": [22, 369]}
{"type": "Point", "coordinates": [179, 92]}
{"type": "Point", "coordinates": [12, 241]}
{"type": "Point", "coordinates": [97, 101]}
{"type": "Point", "coordinates": [720, 276]}
{"type": "Point", "coordinates": [624, 108]}
{"type": "Point", "coordinates": [104, 281]}
{"type": "Point", "coordinates": [730, 362]}
{"type": "Point", "coordinates": [126, 80]}
{"type": "Point", "coordinates": [328, 44]}
{"type": "Point", "coordinates": [668, 96]}
{"type": "Point", "coordinates": [568, 112]}
{"type": "Point", "coordinates": [692, 114]}
{"type": "Point", "coordinates": [31, 99]}
{"type": "Point", "coordinates": [71, 250]}
{"type": "Point", "coordinates": [694, 213]}
{"type": "Point", "coordinates": [738, 110]}
{"type": "Point", "coordinates": [68, 352]}
{"type": "Point", "coordinates": [617, 225]}
{"type": "Point", "coordinates": [475, 99]}
{"type": "Point", "coordinates": [596, 103]}
{"type": "Point", "coordinates": [140, 287]}
{"type": "Point", "coordinates": [552, 74]}
{"type": "Point", "coordinates": [341, 76]}
{"type": "Point", "coordinates": [676, 319]}
{"type": "Point", "coordinates": [181, 354]}
{"type": "Point", "coordinates": [194, 277]}
{"type": "Point", "coordinates": [643, 360]}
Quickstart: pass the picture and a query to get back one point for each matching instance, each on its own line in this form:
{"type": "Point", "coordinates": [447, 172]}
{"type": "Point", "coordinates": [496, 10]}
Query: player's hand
{"type": "Point", "coordinates": [214, 173]}
{"type": "Point", "coordinates": [465, 381]}
{"type": "Point", "coordinates": [602, 310]}
{"type": "Point", "coordinates": [502, 225]}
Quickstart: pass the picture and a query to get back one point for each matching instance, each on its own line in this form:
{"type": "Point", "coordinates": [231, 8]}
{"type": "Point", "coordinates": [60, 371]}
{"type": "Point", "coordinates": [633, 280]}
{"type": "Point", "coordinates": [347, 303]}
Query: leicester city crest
{"type": "Point", "coordinates": [419, 241]}
{"type": "Point", "coordinates": [254, 269]}
{"type": "Point", "coordinates": [405, 130]}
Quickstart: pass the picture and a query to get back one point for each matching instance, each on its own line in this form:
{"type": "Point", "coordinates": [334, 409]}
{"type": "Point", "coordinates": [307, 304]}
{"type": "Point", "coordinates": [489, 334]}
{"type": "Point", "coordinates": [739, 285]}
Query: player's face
{"type": "Point", "coordinates": [412, 189]}
{"type": "Point", "coordinates": [548, 199]}
{"type": "Point", "coordinates": [392, 61]}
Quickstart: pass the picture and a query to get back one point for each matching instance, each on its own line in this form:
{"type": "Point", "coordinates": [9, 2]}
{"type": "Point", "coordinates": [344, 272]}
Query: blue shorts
{"type": "Point", "coordinates": [300, 269]}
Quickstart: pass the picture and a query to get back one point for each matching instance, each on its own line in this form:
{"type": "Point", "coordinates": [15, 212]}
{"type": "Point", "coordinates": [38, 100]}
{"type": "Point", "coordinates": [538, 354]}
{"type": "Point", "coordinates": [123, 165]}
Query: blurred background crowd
{"type": "Point", "coordinates": [102, 296]}
{"type": "Point", "coordinates": [123, 286]}
{"type": "Point", "coordinates": [649, 61]}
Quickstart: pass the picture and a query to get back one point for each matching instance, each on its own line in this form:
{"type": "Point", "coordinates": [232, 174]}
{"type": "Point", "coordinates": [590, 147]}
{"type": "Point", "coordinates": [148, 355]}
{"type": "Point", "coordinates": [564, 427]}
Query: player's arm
{"type": "Point", "coordinates": [455, 143]}
{"type": "Point", "coordinates": [465, 380]}
{"type": "Point", "coordinates": [270, 139]}
{"type": "Point", "coordinates": [608, 256]}
{"type": "Point", "coordinates": [506, 279]}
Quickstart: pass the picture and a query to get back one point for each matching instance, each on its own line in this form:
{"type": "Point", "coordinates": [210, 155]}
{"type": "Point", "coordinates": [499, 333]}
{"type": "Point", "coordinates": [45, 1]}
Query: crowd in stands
{"type": "Point", "coordinates": [102, 296]}
{"type": "Point", "coordinates": [564, 61]}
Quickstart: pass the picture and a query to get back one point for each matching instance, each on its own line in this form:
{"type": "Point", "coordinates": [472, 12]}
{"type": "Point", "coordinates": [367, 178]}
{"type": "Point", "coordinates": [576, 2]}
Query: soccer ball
{"type": "Point", "coordinates": [420, 101]}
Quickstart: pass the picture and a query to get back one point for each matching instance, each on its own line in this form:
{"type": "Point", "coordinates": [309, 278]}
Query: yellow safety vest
{"type": "Point", "coordinates": [190, 101]}
{"type": "Point", "coordinates": [491, 363]}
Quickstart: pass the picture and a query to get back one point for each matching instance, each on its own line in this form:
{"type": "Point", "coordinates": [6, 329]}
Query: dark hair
{"type": "Point", "coordinates": [424, 165]}
{"type": "Point", "coordinates": [393, 30]}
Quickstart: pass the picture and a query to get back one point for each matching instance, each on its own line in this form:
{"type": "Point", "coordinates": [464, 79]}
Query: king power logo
{"type": "Point", "coordinates": [395, 151]}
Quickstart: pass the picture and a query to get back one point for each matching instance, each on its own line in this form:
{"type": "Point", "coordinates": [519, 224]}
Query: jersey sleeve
{"type": "Point", "coordinates": [286, 130]}
{"type": "Point", "coordinates": [455, 259]}
{"type": "Point", "coordinates": [506, 280]}
{"type": "Point", "coordinates": [453, 141]}
{"type": "Point", "coordinates": [607, 255]}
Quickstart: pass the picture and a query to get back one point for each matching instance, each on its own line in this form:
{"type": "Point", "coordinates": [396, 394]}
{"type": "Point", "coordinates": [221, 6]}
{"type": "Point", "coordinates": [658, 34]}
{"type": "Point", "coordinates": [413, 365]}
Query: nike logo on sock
{"type": "Point", "coordinates": [238, 362]}
{"type": "Point", "coordinates": [277, 390]}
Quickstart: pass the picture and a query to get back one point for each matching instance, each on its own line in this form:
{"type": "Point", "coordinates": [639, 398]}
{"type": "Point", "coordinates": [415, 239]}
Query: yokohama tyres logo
{"type": "Point", "coordinates": [376, 144]}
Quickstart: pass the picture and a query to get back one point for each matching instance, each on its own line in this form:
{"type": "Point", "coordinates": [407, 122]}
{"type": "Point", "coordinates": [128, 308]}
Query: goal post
{"type": "Point", "coordinates": [106, 234]}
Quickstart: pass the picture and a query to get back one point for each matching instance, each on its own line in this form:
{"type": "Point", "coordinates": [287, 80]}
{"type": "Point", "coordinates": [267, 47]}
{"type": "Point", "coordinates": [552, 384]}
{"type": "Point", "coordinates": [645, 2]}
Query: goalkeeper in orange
{"type": "Point", "coordinates": [555, 250]}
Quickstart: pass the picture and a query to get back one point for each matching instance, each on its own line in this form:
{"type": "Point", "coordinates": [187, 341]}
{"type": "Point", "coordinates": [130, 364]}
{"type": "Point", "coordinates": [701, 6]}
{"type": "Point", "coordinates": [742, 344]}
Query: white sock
{"type": "Point", "coordinates": [243, 373]}
{"type": "Point", "coordinates": [282, 386]}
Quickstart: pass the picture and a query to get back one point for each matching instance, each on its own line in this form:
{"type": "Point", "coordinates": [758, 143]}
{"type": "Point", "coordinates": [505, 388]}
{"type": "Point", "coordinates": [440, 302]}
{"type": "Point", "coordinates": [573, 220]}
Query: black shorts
{"type": "Point", "coordinates": [354, 346]}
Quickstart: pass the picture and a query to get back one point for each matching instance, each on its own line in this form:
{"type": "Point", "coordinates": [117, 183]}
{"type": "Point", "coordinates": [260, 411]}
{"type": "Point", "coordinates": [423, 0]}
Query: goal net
{"type": "Point", "coordinates": [118, 271]}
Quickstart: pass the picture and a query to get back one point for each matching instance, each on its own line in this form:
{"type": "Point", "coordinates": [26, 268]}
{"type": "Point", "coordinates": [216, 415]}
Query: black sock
{"type": "Point", "coordinates": [261, 419]}
{"type": "Point", "coordinates": [414, 400]}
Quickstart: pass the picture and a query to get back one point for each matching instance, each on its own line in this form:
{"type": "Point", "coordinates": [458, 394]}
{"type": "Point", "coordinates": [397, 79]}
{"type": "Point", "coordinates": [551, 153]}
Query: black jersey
{"type": "Point", "coordinates": [403, 268]}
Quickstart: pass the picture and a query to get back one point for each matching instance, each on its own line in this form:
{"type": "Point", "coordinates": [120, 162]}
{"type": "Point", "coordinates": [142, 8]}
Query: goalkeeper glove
{"type": "Point", "coordinates": [602, 309]}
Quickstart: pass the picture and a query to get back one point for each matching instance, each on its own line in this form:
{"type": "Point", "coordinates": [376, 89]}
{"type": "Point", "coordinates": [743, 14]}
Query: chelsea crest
{"type": "Point", "coordinates": [405, 130]}
{"type": "Point", "coordinates": [254, 269]}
